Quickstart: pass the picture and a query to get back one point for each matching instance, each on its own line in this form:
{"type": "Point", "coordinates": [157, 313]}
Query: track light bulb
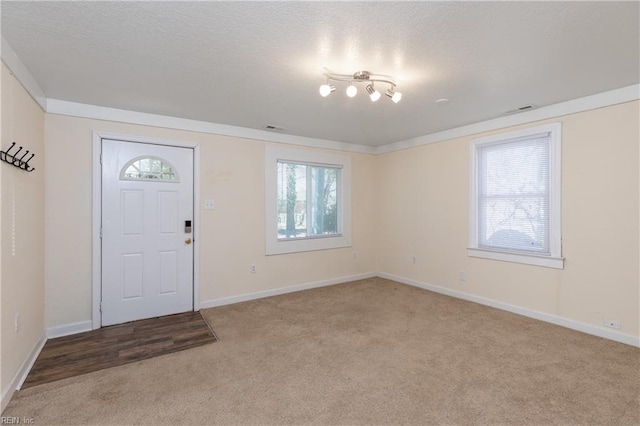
{"type": "Point", "coordinates": [373, 93]}
{"type": "Point", "coordinates": [326, 90]}
{"type": "Point", "coordinates": [352, 90]}
{"type": "Point", "coordinates": [395, 96]}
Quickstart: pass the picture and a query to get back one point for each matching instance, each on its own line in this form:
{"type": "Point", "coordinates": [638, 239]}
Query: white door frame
{"type": "Point", "coordinates": [96, 274]}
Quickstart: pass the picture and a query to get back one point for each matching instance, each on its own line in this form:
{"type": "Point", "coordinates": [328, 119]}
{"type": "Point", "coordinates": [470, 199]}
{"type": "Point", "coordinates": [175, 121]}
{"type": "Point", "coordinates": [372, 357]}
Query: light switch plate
{"type": "Point", "coordinates": [208, 205]}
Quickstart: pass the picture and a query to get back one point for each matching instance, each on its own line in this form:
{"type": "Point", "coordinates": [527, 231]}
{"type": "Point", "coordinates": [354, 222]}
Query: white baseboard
{"type": "Point", "coordinates": [21, 375]}
{"type": "Point", "coordinates": [542, 316]}
{"type": "Point", "coordinates": [283, 290]}
{"type": "Point", "coordinates": [67, 329]}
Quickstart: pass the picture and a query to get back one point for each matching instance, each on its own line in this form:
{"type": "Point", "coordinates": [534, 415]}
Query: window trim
{"type": "Point", "coordinates": [554, 259]}
{"type": "Point", "coordinates": [273, 245]}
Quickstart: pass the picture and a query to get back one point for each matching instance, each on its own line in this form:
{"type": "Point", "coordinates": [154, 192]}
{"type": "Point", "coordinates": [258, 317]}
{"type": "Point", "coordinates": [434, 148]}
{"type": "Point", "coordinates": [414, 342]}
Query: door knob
{"type": "Point", "coordinates": [187, 240]}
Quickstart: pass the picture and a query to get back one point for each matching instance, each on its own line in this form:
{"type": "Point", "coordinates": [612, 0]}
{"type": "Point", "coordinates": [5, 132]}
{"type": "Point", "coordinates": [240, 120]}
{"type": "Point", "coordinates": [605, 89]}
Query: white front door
{"type": "Point", "coordinates": [147, 250]}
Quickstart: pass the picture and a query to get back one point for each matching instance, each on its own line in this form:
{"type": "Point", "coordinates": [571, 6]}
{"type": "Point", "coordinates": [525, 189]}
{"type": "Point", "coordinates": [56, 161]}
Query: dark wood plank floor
{"type": "Point", "coordinates": [117, 345]}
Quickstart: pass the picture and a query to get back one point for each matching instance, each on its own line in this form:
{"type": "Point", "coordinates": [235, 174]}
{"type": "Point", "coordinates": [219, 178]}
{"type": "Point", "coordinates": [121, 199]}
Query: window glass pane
{"type": "Point", "coordinates": [324, 205]}
{"type": "Point", "coordinates": [149, 168]}
{"type": "Point", "coordinates": [513, 195]}
{"type": "Point", "coordinates": [307, 200]}
{"type": "Point", "coordinates": [292, 202]}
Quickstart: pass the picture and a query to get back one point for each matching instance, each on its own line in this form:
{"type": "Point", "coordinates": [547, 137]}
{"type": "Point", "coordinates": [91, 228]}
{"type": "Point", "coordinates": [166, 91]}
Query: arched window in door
{"type": "Point", "coordinates": [149, 168]}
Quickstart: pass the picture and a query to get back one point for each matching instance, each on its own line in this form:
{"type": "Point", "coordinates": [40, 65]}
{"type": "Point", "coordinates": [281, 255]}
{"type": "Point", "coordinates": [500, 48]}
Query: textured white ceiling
{"type": "Point", "coordinates": [256, 63]}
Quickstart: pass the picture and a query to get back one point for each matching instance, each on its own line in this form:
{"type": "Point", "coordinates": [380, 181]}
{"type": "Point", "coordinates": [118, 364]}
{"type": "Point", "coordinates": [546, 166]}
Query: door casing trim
{"type": "Point", "coordinates": [96, 266]}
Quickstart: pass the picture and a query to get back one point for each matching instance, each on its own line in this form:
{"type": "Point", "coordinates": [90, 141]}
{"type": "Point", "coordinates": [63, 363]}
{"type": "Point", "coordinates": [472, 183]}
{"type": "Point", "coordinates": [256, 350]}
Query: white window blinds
{"type": "Point", "coordinates": [514, 195]}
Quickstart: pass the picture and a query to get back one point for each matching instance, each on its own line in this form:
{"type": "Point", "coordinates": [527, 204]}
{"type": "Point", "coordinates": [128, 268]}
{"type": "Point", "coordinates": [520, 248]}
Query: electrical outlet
{"type": "Point", "coordinates": [463, 276]}
{"type": "Point", "coordinates": [209, 205]}
{"type": "Point", "coordinates": [252, 268]}
{"type": "Point", "coordinates": [612, 324]}
{"type": "Point", "coordinates": [414, 259]}
{"type": "Point", "coordinates": [16, 323]}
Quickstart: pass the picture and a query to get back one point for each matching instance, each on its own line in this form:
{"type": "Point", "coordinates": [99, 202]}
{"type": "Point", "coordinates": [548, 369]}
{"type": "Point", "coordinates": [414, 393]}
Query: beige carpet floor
{"type": "Point", "coordinates": [367, 352]}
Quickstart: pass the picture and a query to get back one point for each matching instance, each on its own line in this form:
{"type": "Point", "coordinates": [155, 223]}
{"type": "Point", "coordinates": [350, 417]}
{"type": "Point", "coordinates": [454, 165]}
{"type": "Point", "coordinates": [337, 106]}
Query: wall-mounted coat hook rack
{"type": "Point", "coordinates": [15, 160]}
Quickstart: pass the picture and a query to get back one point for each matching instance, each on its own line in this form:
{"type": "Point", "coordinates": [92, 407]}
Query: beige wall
{"type": "Point", "coordinates": [422, 210]}
{"type": "Point", "coordinates": [408, 203]}
{"type": "Point", "coordinates": [232, 173]}
{"type": "Point", "coordinates": [22, 228]}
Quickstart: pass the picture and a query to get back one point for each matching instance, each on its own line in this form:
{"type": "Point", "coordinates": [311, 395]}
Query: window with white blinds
{"type": "Point", "coordinates": [515, 197]}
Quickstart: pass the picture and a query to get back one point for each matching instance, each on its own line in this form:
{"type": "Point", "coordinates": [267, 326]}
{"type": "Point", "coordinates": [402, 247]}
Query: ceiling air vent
{"type": "Point", "coordinates": [521, 109]}
{"type": "Point", "coordinates": [274, 128]}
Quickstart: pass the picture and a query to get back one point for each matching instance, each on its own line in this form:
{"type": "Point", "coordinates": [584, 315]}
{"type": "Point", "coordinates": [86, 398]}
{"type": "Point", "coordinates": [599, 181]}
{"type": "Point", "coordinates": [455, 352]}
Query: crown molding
{"type": "Point", "coordinates": [22, 74]}
{"type": "Point", "coordinates": [599, 100]}
{"type": "Point", "coordinates": [57, 106]}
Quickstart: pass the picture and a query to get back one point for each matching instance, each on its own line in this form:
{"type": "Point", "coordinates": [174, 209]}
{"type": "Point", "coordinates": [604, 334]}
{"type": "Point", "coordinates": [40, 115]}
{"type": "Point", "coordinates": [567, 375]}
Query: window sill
{"type": "Point", "coordinates": [528, 259]}
{"type": "Point", "coordinates": [307, 244]}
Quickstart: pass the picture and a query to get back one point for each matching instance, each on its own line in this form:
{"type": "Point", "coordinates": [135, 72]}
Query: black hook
{"type": "Point", "coordinates": [3, 154]}
{"type": "Point", "coordinates": [24, 155]}
{"type": "Point", "coordinates": [27, 167]}
{"type": "Point", "coordinates": [15, 159]}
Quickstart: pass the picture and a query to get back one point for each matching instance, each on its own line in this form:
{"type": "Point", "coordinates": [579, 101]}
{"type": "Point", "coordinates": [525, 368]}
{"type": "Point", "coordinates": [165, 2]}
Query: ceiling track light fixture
{"type": "Point", "coordinates": [362, 77]}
